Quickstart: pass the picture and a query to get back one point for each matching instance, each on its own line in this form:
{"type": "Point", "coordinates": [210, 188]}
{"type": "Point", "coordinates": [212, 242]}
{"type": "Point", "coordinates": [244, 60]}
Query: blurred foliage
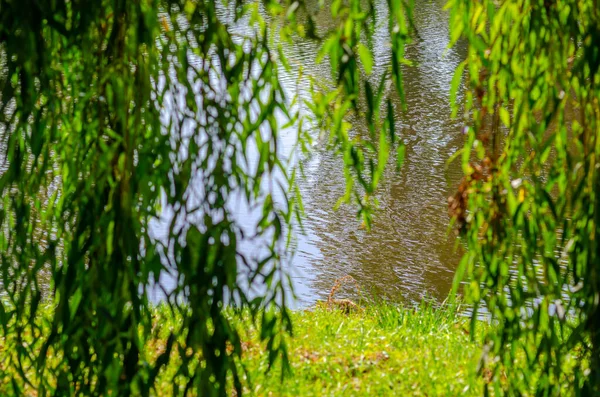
{"type": "Point", "coordinates": [528, 204]}
{"type": "Point", "coordinates": [365, 156]}
{"type": "Point", "coordinates": [379, 351]}
{"type": "Point", "coordinates": [117, 114]}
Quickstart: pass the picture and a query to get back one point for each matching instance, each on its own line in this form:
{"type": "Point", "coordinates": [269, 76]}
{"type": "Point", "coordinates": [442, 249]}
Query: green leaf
{"type": "Point", "coordinates": [366, 58]}
{"type": "Point", "coordinates": [505, 116]}
{"type": "Point", "coordinates": [455, 84]}
{"type": "Point", "coordinates": [400, 155]}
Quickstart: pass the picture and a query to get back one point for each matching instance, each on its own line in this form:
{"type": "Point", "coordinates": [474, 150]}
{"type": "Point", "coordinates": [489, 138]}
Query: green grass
{"type": "Point", "coordinates": [382, 350]}
{"type": "Point", "coordinates": [385, 350]}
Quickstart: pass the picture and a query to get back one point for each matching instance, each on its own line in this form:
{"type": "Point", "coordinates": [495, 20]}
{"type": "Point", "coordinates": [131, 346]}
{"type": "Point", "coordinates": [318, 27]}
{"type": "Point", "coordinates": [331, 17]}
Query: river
{"type": "Point", "coordinates": [409, 253]}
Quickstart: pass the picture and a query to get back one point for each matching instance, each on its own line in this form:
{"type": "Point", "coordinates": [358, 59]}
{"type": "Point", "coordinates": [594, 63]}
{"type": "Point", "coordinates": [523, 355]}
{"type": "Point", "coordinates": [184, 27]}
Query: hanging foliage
{"type": "Point", "coordinates": [529, 202]}
{"type": "Point", "coordinates": [117, 115]}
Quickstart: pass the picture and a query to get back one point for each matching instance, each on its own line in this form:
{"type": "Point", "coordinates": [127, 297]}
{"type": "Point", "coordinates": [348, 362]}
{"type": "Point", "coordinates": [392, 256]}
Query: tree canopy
{"type": "Point", "coordinates": [528, 203]}
{"type": "Point", "coordinates": [115, 114]}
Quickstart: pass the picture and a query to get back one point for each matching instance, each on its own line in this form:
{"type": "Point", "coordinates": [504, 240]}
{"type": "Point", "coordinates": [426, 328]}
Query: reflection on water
{"type": "Point", "coordinates": [409, 253]}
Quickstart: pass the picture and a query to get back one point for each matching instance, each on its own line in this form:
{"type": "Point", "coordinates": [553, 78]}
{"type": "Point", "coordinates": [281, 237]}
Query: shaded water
{"type": "Point", "coordinates": [409, 253]}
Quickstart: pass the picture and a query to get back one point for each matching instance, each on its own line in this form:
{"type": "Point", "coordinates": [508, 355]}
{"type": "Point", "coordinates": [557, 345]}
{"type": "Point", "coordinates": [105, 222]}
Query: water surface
{"type": "Point", "coordinates": [409, 253]}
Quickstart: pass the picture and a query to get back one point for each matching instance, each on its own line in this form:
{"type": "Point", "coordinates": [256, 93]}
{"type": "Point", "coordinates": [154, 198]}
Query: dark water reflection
{"type": "Point", "coordinates": [408, 254]}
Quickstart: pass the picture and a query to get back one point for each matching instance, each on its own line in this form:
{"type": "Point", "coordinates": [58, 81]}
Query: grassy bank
{"type": "Point", "coordinates": [381, 350]}
{"type": "Point", "coordinates": [384, 350]}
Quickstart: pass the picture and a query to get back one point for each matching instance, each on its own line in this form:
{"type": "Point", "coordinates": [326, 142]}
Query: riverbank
{"type": "Point", "coordinates": [381, 350]}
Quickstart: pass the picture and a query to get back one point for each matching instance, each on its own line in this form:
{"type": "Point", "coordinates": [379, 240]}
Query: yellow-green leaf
{"type": "Point", "coordinates": [366, 58]}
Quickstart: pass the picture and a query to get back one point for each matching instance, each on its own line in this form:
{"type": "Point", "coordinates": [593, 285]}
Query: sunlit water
{"type": "Point", "coordinates": [409, 253]}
